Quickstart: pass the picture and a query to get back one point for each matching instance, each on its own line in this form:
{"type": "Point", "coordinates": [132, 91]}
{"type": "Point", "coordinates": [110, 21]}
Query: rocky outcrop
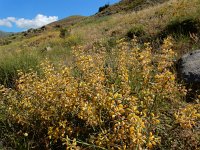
{"type": "Point", "coordinates": [189, 67]}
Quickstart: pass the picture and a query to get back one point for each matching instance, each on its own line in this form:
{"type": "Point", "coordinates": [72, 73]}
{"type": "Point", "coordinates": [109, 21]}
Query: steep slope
{"type": "Point", "coordinates": [125, 6]}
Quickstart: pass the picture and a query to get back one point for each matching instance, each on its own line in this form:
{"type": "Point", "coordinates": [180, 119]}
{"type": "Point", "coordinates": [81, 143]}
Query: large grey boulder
{"type": "Point", "coordinates": [188, 68]}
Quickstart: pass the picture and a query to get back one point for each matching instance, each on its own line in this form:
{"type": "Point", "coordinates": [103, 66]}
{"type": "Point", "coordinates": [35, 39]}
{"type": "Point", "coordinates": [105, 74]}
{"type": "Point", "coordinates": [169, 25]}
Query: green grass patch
{"type": "Point", "coordinates": [10, 63]}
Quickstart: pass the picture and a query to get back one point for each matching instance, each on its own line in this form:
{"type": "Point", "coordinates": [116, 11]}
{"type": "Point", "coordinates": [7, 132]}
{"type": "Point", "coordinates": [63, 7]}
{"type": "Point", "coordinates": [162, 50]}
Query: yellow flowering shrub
{"type": "Point", "coordinates": [188, 116]}
{"type": "Point", "coordinates": [104, 100]}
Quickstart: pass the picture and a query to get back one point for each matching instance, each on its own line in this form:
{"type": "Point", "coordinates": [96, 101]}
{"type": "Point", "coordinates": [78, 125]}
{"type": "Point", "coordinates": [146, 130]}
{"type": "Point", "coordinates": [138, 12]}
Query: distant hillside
{"type": "Point", "coordinates": [3, 34]}
{"type": "Point", "coordinates": [66, 22]}
{"type": "Point", "coordinates": [57, 25]}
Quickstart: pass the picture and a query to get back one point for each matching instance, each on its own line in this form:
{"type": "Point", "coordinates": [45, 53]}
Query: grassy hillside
{"type": "Point", "coordinates": [153, 23]}
{"type": "Point", "coordinates": [102, 82]}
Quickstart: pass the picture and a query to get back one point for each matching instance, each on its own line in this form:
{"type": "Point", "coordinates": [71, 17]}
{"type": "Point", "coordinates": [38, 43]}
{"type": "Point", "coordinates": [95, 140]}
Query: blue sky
{"type": "Point", "coordinates": [19, 15]}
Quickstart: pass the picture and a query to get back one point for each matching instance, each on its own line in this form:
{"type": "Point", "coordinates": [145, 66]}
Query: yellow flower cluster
{"type": "Point", "coordinates": [188, 116]}
{"type": "Point", "coordinates": [104, 100]}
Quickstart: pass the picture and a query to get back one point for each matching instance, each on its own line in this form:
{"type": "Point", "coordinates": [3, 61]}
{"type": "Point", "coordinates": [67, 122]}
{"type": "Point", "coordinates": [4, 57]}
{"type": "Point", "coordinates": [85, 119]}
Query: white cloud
{"type": "Point", "coordinates": [5, 22]}
{"type": "Point", "coordinates": [11, 19]}
{"type": "Point", "coordinates": [39, 21]}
